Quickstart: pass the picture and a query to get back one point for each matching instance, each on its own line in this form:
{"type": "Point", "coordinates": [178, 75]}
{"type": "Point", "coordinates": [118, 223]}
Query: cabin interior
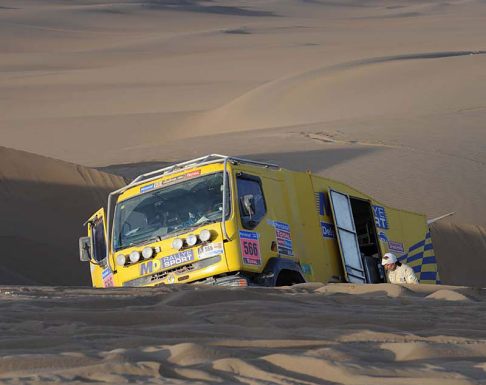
{"type": "Point", "coordinates": [367, 240]}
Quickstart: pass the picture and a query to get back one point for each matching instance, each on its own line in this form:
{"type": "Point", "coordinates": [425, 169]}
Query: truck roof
{"type": "Point", "coordinates": [208, 159]}
{"type": "Point", "coordinates": [202, 161]}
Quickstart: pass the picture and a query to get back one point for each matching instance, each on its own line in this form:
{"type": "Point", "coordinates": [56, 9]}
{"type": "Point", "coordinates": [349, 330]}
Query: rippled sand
{"type": "Point", "coordinates": [306, 334]}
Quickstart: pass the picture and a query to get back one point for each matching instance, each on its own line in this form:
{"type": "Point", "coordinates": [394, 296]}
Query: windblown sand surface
{"type": "Point", "coordinates": [307, 334]}
{"type": "Point", "coordinates": [388, 96]}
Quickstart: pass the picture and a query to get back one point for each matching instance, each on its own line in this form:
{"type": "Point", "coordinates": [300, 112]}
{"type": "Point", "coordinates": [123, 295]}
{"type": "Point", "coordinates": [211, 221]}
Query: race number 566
{"type": "Point", "coordinates": [250, 248]}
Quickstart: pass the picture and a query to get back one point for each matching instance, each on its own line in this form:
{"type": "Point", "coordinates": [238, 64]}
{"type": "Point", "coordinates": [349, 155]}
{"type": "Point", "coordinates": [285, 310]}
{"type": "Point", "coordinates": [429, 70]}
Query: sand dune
{"type": "Point", "coordinates": [391, 86]}
{"type": "Point", "coordinates": [382, 95]}
{"type": "Point", "coordinates": [462, 252]}
{"type": "Point", "coordinates": [307, 334]}
{"type": "Point", "coordinates": [44, 203]}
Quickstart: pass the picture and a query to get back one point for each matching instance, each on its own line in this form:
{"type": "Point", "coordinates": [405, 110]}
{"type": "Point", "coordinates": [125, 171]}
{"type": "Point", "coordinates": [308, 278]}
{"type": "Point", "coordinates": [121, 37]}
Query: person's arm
{"type": "Point", "coordinates": [410, 276]}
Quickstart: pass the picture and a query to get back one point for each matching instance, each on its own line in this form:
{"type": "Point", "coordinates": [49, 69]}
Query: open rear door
{"type": "Point", "coordinates": [348, 240]}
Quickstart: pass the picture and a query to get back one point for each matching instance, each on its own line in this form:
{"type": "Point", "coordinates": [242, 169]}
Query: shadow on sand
{"type": "Point", "coordinates": [315, 160]}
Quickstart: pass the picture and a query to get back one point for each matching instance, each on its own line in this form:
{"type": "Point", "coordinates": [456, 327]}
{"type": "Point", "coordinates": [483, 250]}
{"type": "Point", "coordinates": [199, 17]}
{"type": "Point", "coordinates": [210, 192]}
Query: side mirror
{"type": "Point", "coordinates": [248, 205]}
{"type": "Point", "coordinates": [85, 249]}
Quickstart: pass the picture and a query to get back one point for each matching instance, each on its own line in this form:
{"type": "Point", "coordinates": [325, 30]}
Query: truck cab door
{"type": "Point", "coordinates": [257, 237]}
{"type": "Point", "coordinates": [101, 273]}
{"type": "Point", "coordinates": [347, 238]}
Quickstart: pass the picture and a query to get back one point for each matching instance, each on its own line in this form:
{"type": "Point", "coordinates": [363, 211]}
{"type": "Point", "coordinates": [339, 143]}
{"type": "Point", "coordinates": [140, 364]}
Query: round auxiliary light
{"type": "Point", "coordinates": [121, 260]}
{"type": "Point", "coordinates": [147, 252]}
{"type": "Point", "coordinates": [205, 235]}
{"type": "Point", "coordinates": [177, 243]}
{"type": "Point", "coordinates": [191, 239]}
{"type": "Point", "coordinates": [134, 256]}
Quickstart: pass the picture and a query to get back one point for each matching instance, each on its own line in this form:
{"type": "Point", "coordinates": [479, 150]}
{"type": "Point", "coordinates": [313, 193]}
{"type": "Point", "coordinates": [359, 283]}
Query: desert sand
{"type": "Point", "coordinates": [387, 96]}
{"type": "Point", "coordinates": [306, 334]}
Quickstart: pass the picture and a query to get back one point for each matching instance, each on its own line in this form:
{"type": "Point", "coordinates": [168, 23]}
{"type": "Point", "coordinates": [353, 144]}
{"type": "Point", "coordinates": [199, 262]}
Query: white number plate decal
{"type": "Point", "coordinates": [210, 250]}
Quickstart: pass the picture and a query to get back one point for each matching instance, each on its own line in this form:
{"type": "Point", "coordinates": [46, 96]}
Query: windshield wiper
{"type": "Point", "coordinates": [140, 243]}
{"type": "Point", "coordinates": [207, 222]}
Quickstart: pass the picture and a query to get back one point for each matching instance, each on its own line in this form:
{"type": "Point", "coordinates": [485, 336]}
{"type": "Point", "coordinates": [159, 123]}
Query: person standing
{"type": "Point", "coordinates": [397, 272]}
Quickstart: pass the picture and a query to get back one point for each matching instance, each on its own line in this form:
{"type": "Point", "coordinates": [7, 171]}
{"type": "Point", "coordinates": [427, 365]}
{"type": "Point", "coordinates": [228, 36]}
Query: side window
{"type": "Point", "coordinates": [251, 200]}
{"type": "Point", "coordinates": [99, 244]}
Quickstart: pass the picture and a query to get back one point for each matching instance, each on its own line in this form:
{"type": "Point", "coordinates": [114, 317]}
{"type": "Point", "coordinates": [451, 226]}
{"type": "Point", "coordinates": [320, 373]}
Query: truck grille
{"type": "Point", "coordinates": [177, 270]}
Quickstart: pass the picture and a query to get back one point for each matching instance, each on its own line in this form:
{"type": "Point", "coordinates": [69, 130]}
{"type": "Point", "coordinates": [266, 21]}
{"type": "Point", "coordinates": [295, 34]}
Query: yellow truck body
{"type": "Point", "coordinates": [230, 221]}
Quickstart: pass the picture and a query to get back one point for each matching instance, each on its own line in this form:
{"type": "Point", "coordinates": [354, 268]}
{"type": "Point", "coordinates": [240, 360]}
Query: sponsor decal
{"type": "Point", "coordinates": [281, 226]}
{"type": "Point", "coordinates": [147, 187]}
{"type": "Point", "coordinates": [192, 174]}
{"type": "Point", "coordinates": [382, 236]}
{"type": "Point", "coordinates": [107, 276]}
{"type": "Point", "coordinates": [210, 250]}
{"type": "Point", "coordinates": [284, 240]}
{"type": "Point", "coordinates": [396, 246]}
{"type": "Point", "coordinates": [322, 204]}
{"type": "Point", "coordinates": [250, 247]}
{"type": "Point", "coordinates": [381, 220]}
{"type": "Point", "coordinates": [306, 268]}
{"type": "Point", "coordinates": [159, 184]}
{"type": "Point", "coordinates": [327, 230]}
{"type": "Point", "coordinates": [166, 262]}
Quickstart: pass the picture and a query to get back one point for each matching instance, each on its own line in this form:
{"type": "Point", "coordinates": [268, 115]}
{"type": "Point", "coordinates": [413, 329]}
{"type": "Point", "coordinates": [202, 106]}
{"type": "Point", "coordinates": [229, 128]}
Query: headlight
{"type": "Point", "coordinates": [134, 256]}
{"type": "Point", "coordinates": [205, 235]}
{"type": "Point", "coordinates": [191, 240]}
{"type": "Point", "coordinates": [147, 253]}
{"type": "Point", "coordinates": [121, 260]}
{"type": "Point", "coordinates": [177, 243]}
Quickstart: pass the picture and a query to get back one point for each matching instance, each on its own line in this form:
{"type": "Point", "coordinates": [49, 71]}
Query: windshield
{"type": "Point", "coordinates": [172, 209]}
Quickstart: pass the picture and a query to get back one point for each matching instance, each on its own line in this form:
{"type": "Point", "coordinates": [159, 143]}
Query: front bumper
{"type": "Point", "coordinates": [179, 274]}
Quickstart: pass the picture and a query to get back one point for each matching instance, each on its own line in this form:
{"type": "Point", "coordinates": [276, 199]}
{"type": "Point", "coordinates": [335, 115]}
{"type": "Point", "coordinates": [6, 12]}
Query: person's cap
{"type": "Point", "coordinates": [389, 258]}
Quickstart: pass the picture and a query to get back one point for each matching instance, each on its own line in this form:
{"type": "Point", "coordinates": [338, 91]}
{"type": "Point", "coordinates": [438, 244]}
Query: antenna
{"type": "Point", "coordinates": [430, 221]}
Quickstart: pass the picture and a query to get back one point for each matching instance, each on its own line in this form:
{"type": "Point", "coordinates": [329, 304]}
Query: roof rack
{"type": "Point", "coordinates": [208, 159]}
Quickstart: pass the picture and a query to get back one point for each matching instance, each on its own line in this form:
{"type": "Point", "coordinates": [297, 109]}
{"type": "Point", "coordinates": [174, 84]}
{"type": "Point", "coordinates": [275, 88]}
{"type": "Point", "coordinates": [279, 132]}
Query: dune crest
{"type": "Point", "coordinates": [383, 86]}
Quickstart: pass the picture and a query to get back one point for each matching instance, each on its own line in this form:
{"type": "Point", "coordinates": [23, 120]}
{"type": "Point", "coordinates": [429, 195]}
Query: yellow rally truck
{"type": "Point", "coordinates": [228, 221]}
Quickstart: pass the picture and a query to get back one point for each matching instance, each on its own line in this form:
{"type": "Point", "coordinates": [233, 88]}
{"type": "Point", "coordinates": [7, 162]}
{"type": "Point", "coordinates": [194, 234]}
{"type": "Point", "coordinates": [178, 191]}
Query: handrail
{"type": "Point", "coordinates": [223, 217]}
{"type": "Point", "coordinates": [195, 162]}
